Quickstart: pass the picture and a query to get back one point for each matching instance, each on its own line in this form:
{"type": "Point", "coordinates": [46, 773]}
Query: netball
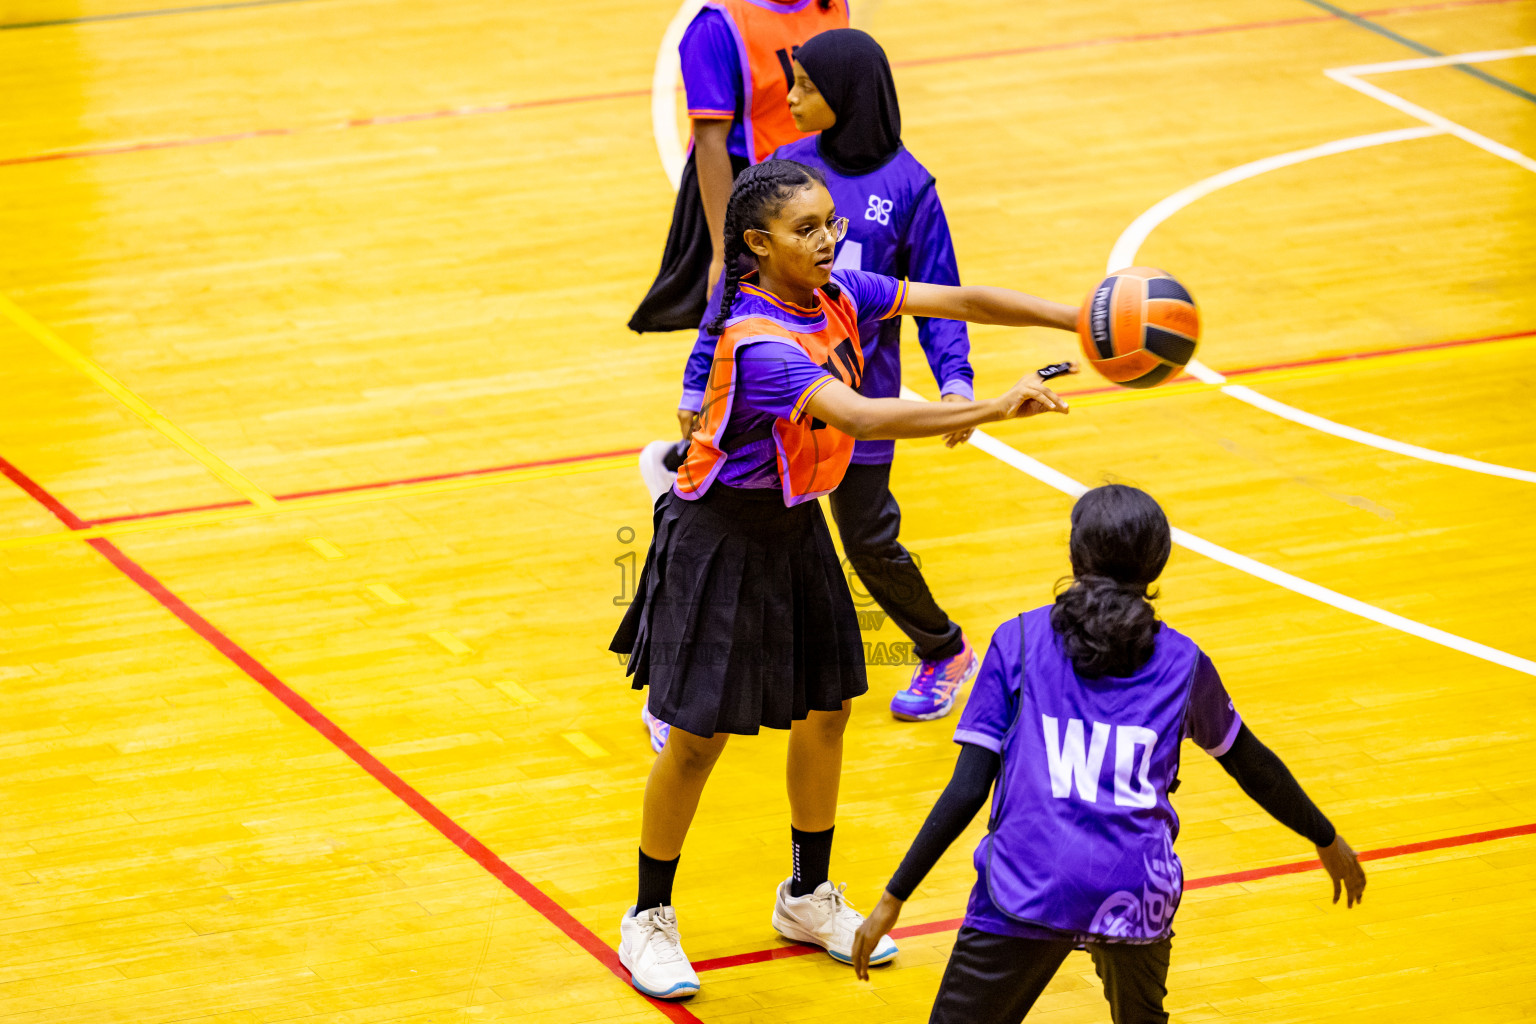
{"type": "Point", "coordinates": [1139, 327]}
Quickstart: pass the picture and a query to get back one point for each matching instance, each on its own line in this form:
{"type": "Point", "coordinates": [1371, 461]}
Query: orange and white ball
{"type": "Point", "coordinates": [1139, 327]}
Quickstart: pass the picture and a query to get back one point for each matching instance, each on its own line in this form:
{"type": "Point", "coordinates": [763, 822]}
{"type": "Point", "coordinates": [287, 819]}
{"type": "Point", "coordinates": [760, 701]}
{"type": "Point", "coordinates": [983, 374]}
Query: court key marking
{"type": "Point", "coordinates": [1123, 253]}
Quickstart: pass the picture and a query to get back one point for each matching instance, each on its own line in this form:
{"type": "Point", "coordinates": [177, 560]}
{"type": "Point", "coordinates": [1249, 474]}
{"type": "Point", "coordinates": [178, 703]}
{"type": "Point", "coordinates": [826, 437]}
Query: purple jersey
{"type": "Point", "coordinates": [896, 227]}
{"type": "Point", "coordinates": [776, 377]}
{"type": "Point", "coordinates": [712, 75]}
{"type": "Point", "coordinates": [1081, 833]}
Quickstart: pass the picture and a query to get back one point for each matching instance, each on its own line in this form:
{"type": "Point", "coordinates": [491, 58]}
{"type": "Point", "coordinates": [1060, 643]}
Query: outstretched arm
{"type": "Point", "coordinates": [869, 419]}
{"type": "Point", "coordinates": [967, 791]}
{"type": "Point", "coordinates": [1265, 778]}
{"type": "Point", "coordinates": [980, 304]}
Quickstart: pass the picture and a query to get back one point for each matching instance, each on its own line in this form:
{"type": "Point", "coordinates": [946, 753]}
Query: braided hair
{"type": "Point", "coordinates": [757, 197]}
{"type": "Point", "coordinates": [1104, 617]}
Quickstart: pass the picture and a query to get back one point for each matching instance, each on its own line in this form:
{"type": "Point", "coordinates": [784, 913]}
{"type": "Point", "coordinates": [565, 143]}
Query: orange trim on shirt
{"type": "Point", "coordinates": [788, 307]}
{"type": "Point", "coordinates": [712, 115]}
{"type": "Point", "coordinates": [798, 412]}
{"type": "Point", "coordinates": [901, 299]}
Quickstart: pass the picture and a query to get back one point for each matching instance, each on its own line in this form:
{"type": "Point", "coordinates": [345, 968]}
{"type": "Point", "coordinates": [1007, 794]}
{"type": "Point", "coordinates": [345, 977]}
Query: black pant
{"type": "Point", "coordinates": [994, 979]}
{"type": "Point", "coordinates": [868, 520]}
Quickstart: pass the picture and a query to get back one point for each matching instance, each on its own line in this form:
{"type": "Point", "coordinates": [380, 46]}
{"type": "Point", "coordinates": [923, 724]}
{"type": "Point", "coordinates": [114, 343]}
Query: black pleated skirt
{"type": "Point", "coordinates": [678, 296]}
{"type": "Point", "coordinates": [742, 617]}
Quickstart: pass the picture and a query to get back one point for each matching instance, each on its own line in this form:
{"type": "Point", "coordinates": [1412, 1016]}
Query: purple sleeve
{"type": "Point", "coordinates": [994, 698]}
{"type": "Point", "coordinates": [1212, 722]}
{"type": "Point", "coordinates": [711, 67]}
{"type": "Point", "coordinates": [931, 260]}
{"type": "Point", "coordinates": [876, 296]}
{"type": "Point", "coordinates": [696, 370]}
{"type": "Point", "coordinates": [776, 377]}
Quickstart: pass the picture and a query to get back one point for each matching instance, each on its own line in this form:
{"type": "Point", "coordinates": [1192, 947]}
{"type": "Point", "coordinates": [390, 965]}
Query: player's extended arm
{"type": "Point", "coordinates": [980, 304]}
{"type": "Point", "coordinates": [890, 419]}
{"type": "Point", "coordinates": [967, 791]}
{"type": "Point", "coordinates": [712, 160]}
{"type": "Point", "coordinates": [1266, 779]}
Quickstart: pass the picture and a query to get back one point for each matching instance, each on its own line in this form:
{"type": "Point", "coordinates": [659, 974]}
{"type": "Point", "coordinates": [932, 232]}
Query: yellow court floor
{"type": "Point", "coordinates": [320, 504]}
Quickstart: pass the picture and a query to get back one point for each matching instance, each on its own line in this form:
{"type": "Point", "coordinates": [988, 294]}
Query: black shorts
{"type": "Point", "coordinates": [742, 616]}
{"type": "Point", "coordinates": [995, 979]}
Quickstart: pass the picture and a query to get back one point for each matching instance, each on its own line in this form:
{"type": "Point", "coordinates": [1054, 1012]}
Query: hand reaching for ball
{"type": "Point", "coordinates": [1030, 396]}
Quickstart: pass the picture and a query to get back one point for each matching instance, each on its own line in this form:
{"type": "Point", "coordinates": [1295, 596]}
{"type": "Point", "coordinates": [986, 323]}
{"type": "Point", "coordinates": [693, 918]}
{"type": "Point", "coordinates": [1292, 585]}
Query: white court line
{"type": "Point", "coordinates": [1054, 478]}
{"type": "Point", "coordinates": [664, 84]}
{"type": "Point", "coordinates": [669, 67]}
{"type": "Point", "coordinates": [1350, 76]}
{"type": "Point", "coordinates": [1123, 254]}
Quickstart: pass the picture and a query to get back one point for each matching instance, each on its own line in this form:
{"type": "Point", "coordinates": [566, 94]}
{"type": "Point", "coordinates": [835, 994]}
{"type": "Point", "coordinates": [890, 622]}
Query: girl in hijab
{"type": "Point", "coordinates": [843, 89]}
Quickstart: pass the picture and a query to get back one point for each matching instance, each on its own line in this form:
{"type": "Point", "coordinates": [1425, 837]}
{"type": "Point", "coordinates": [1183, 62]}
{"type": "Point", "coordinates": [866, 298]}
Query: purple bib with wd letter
{"type": "Point", "coordinates": [1081, 834]}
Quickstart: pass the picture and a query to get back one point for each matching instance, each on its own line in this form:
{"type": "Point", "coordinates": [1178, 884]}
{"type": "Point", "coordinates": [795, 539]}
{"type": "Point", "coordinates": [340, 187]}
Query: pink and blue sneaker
{"type": "Point", "coordinates": [934, 686]}
{"type": "Point", "coordinates": [658, 729]}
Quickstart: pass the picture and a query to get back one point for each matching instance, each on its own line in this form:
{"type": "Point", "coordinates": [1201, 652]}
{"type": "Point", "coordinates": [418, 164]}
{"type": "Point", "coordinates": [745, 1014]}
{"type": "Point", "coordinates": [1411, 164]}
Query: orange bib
{"type": "Point", "coordinates": [767, 35]}
{"type": "Point", "coordinates": [812, 456]}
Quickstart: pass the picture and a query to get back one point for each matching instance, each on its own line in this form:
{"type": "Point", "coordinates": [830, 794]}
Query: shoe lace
{"type": "Point", "coordinates": [841, 909]}
{"type": "Point", "coordinates": [924, 678]}
{"type": "Point", "coordinates": [943, 673]}
{"type": "Point", "coordinates": [662, 937]}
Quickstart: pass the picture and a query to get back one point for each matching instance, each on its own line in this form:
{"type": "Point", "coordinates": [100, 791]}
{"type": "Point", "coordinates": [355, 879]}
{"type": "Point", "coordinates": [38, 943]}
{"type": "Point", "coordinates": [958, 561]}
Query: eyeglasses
{"type": "Point", "coordinates": [810, 236]}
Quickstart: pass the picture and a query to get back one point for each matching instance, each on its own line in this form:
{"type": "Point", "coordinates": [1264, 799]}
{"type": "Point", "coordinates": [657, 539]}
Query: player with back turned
{"type": "Point", "coordinates": [1074, 727]}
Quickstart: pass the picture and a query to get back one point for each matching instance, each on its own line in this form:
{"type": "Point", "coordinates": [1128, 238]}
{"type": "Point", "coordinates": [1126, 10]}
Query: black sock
{"type": "Point", "coordinates": [655, 882]}
{"type": "Point", "coordinates": [813, 856]}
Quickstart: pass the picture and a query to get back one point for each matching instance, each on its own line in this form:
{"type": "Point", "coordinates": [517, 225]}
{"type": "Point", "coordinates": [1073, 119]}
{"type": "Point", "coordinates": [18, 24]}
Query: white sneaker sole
{"type": "Point", "coordinates": [792, 931]}
{"type": "Point", "coordinates": [682, 990]}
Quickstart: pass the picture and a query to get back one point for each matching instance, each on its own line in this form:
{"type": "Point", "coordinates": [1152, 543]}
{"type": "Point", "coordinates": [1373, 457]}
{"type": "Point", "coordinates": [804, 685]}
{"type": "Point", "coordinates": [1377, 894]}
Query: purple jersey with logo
{"type": "Point", "coordinates": [776, 377]}
{"type": "Point", "coordinates": [896, 227]}
{"type": "Point", "coordinates": [1081, 833]}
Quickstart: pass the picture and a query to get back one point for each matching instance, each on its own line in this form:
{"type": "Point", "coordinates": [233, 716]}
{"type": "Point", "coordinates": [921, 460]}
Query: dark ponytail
{"type": "Point", "coordinates": [1104, 616]}
{"type": "Point", "coordinates": [756, 198]}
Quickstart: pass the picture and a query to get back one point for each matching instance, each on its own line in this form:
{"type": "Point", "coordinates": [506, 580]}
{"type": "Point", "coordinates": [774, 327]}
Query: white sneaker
{"type": "Point", "coordinates": [658, 479]}
{"type": "Point", "coordinates": [650, 949]}
{"type": "Point", "coordinates": [825, 918]}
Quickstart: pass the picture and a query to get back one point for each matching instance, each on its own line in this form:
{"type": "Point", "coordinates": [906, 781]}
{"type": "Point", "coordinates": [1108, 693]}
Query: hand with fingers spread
{"type": "Point", "coordinates": [1344, 869]}
{"type": "Point", "coordinates": [875, 927]}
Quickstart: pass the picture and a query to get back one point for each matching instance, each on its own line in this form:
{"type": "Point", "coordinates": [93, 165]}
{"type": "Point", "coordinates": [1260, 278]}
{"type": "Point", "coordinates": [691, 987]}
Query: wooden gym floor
{"type": "Point", "coordinates": [319, 419]}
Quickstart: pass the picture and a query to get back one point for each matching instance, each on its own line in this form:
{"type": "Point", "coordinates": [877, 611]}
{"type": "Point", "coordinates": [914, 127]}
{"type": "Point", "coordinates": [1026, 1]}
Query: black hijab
{"type": "Point", "coordinates": [850, 70]}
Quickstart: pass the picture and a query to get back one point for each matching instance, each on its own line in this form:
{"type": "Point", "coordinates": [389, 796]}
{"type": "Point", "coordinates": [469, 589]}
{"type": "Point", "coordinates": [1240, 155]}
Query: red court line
{"type": "Point", "coordinates": [1274, 870]}
{"type": "Point", "coordinates": [357, 122]}
{"type": "Point", "coordinates": [380, 485]}
{"type": "Point", "coordinates": [461, 475]}
{"type": "Point", "coordinates": [1347, 357]}
{"type": "Point", "coordinates": [1186, 33]}
{"type": "Point", "coordinates": [500, 108]}
{"type": "Point", "coordinates": [130, 516]}
{"type": "Point", "coordinates": [429, 812]}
